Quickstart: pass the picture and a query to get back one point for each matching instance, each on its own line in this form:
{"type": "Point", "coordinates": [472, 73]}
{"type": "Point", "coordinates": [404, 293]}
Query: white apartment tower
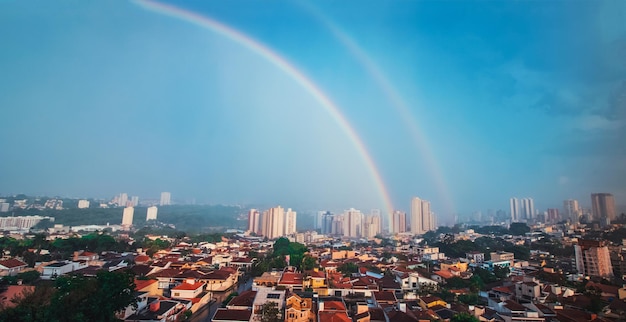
{"type": "Point", "coordinates": [352, 223]}
{"type": "Point", "coordinates": [166, 199]}
{"type": "Point", "coordinates": [528, 208]}
{"type": "Point", "coordinates": [254, 221]}
{"type": "Point", "coordinates": [151, 213]}
{"type": "Point", "coordinates": [127, 217]}
{"type": "Point", "coordinates": [398, 224]}
{"type": "Point", "coordinates": [422, 220]}
{"type": "Point", "coordinates": [514, 210]}
{"type": "Point", "coordinates": [290, 222]}
{"type": "Point", "coordinates": [272, 223]}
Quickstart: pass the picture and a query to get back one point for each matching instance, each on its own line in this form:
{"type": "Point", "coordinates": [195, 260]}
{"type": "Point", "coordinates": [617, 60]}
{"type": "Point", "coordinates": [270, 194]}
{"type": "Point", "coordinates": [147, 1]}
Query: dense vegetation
{"type": "Point", "coordinates": [190, 218]}
{"type": "Point", "coordinates": [75, 298]}
{"type": "Point", "coordinates": [284, 249]}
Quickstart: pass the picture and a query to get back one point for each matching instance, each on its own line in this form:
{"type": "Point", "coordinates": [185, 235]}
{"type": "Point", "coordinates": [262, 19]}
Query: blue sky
{"type": "Point", "coordinates": [511, 98]}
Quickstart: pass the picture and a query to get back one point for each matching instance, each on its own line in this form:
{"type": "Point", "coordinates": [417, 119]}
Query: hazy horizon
{"type": "Point", "coordinates": [316, 105]}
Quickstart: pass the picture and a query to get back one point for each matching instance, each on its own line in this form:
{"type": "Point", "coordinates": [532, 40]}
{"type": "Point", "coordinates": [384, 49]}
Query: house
{"type": "Point", "coordinates": [148, 286]}
{"type": "Point", "coordinates": [244, 301]}
{"type": "Point", "coordinates": [52, 271]}
{"type": "Point", "coordinates": [429, 302]}
{"type": "Point", "coordinates": [291, 280]}
{"type": "Point", "coordinates": [11, 267]}
{"type": "Point", "coordinates": [315, 280]}
{"type": "Point", "coordinates": [264, 295]}
{"type": "Point", "coordinates": [299, 309]}
{"type": "Point", "coordinates": [221, 280]}
{"type": "Point", "coordinates": [187, 290]}
{"type": "Point", "coordinates": [332, 309]}
{"type": "Point", "coordinates": [161, 311]}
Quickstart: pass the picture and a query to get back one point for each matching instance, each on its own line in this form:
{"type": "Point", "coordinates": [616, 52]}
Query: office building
{"type": "Point", "coordinates": [82, 204]}
{"type": "Point", "coordinates": [166, 199]}
{"type": "Point", "coordinates": [127, 217]}
{"type": "Point", "coordinates": [593, 258]}
{"type": "Point", "coordinates": [603, 206]}
{"type": "Point", "coordinates": [151, 213]}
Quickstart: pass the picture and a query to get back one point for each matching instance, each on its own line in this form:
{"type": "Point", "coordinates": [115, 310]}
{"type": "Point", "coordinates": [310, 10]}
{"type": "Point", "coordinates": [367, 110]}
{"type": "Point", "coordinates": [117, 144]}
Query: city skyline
{"type": "Point", "coordinates": [463, 105]}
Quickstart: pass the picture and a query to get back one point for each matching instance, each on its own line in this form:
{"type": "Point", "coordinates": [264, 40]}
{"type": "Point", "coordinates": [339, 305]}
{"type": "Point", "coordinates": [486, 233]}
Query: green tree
{"type": "Point", "coordinates": [80, 298]}
{"type": "Point", "coordinates": [308, 262]}
{"type": "Point", "coordinates": [30, 306]}
{"type": "Point", "coordinates": [518, 229]}
{"type": "Point", "coordinates": [464, 317]}
{"type": "Point", "coordinates": [501, 272]}
{"type": "Point", "coordinates": [270, 312]}
{"type": "Point", "coordinates": [348, 268]}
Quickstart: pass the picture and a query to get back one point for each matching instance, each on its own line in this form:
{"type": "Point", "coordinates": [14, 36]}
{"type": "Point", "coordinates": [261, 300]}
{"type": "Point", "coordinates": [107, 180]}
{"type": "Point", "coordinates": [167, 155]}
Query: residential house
{"type": "Point", "coordinates": [11, 267]}
{"type": "Point", "coordinates": [299, 309]}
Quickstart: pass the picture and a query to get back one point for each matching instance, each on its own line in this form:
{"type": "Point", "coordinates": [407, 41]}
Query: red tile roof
{"type": "Point", "coordinates": [141, 284]}
{"type": "Point", "coordinates": [291, 278]}
{"type": "Point", "coordinates": [188, 287]}
{"type": "Point", "coordinates": [334, 305]}
{"type": "Point", "coordinates": [330, 316]}
{"type": "Point", "coordinates": [12, 263]}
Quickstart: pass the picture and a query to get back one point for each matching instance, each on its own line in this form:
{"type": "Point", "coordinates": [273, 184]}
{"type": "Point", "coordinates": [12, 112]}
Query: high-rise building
{"type": "Point", "coordinates": [515, 213]}
{"type": "Point", "coordinates": [398, 222]}
{"type": "Point", "coordinates": [151, 213]}
{"type": "Point", "coordinates": [371, 224]}
{"type": "Point", "coordinates": [603, 206]}
{"type": "Point", "coordinates": [166, 199]}
{"type": "Point", "coordinates": [127, 217]}
{"type": "Point", "coordinates": [4, 207]}
{"type": "Point", "coordinates": [290, 222]}
{"type": "Point", "coordinates": [254, 221]}
{"type": "Point", "coordinates": [122, 199]}
{"type": "Point", "coordinates": [552, 215]}
{"type": "Point", "coordinates": [82, 204]}
{"type": "Point", "coordinates": [416, 216]}
{"type": "Point", "coordinates": [375, 222]}
{"type": "Point", "coordinates": [571, 210]}
{"type": "Point", "coordinates": [593, 258]}
{"type": "Point", "coordinates": [352, 223]}
{"type": "Point", "coordinates": [327, 223]}
{"type": "Point", "coordinates": [527, 209]}
{"type": "Point", "coordinates": [422, 220]}
{"type": "Point", "coordinates": [274, 222]}
{"type": "Point", "coordinates": [135, 201]}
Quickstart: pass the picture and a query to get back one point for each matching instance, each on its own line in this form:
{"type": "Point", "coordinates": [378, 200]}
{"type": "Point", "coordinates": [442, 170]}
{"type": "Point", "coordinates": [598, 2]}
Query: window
{"type": "Point", "coordinates": [176, 294]}
{"type": "Point", "coordinates": [273, 296]}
